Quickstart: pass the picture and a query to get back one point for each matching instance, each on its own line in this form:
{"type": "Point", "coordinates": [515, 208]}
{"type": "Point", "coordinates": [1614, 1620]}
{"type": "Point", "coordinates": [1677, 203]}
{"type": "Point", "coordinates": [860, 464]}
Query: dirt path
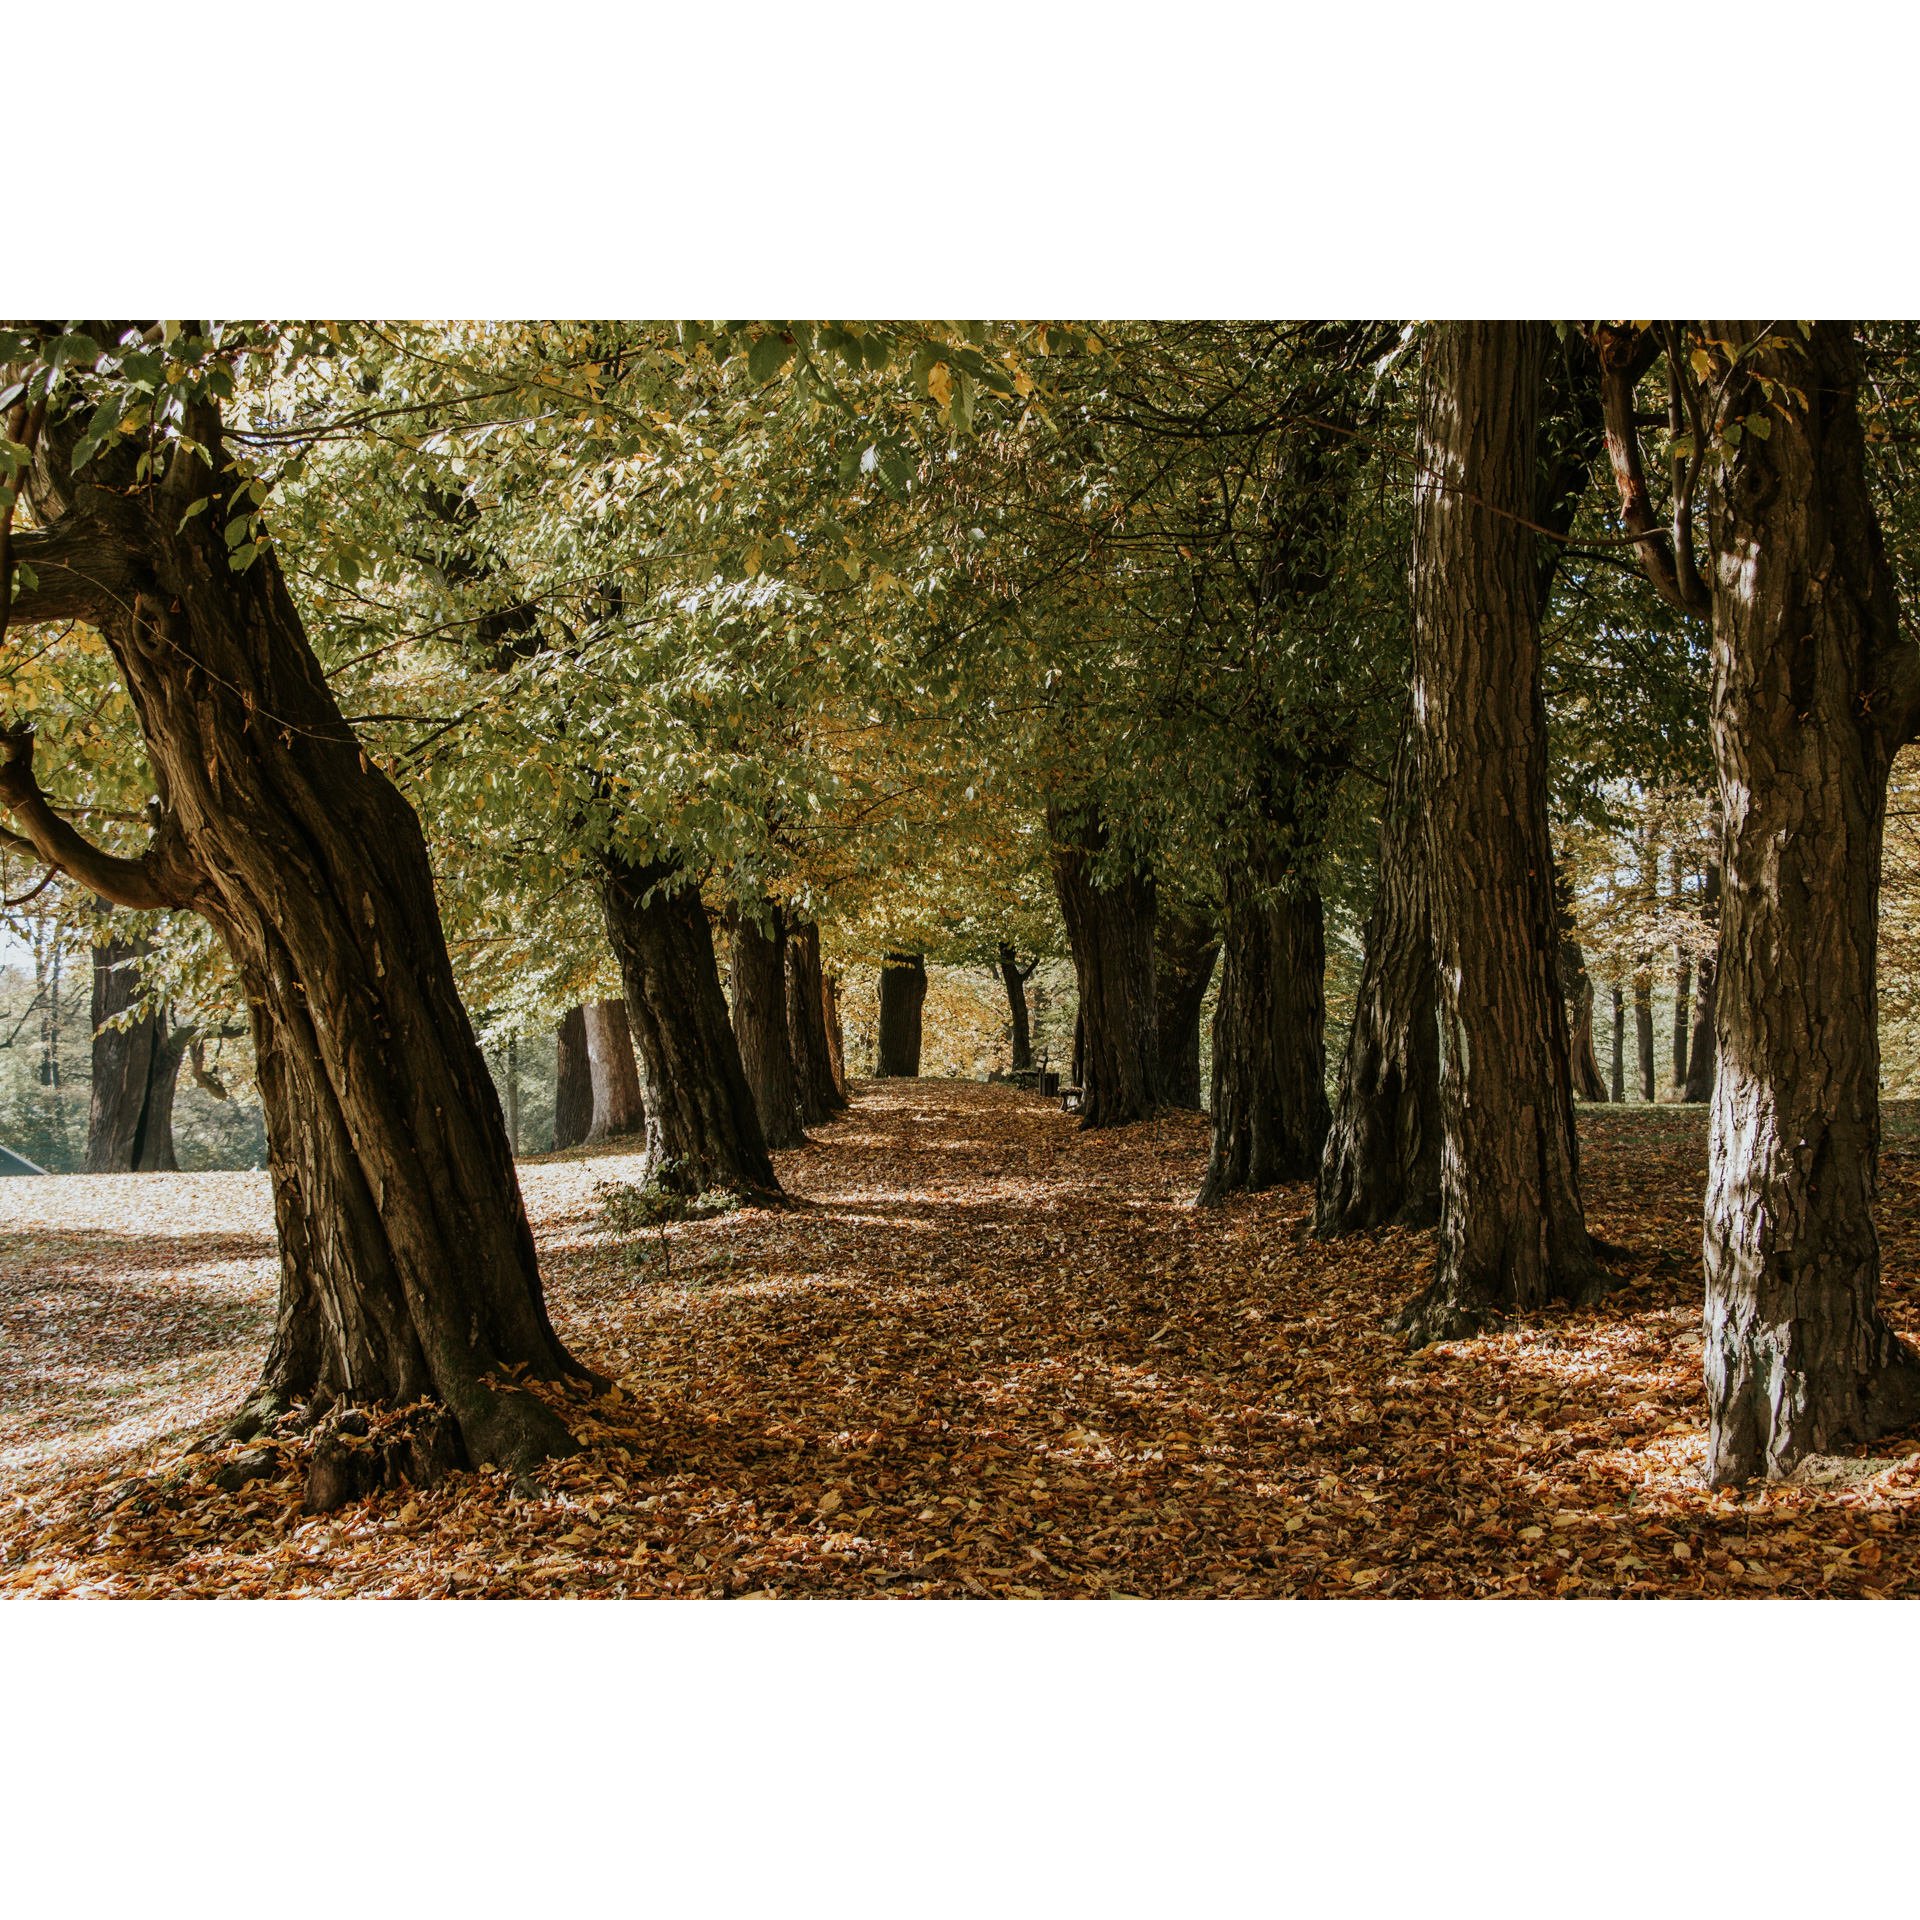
{"type": "Point", "coordinates": [982, 1354]}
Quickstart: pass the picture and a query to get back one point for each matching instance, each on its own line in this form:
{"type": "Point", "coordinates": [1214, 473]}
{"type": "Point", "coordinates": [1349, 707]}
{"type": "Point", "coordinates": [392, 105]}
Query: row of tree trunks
{"type": "Point", "coordinates": [1185, 950]}
{"type": "Point", "coordinates": [819, 1088]}
{"type": "Point", "coordinates": [903, 992]}
{"type": "Point", "coordinates": [1382, 1161]}
{"type": "Point", "coordinates": [703, 1129]}
{"type": "Point", "coordinates": [407, 1265]}
{"type": "Point", "coordinates": [1111, 932]}
{"type": "Point", "coordinates": [760, 1022]}
{"type": "Point", "coordinates": [136, 1068]}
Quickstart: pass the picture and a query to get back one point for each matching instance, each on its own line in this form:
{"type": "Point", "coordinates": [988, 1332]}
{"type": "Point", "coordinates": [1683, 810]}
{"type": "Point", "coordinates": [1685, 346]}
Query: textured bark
{"type": "Point", "coordinates": [760, 1026]}
{"type": "Point", "coordinates": [1511, 1231]}
{"type": "Point", "coordinates": [1111, 931]}
{"type": "Point", "coordinates": [1813, 691]}
{"type": "Point", "coordinates": [618, 1107]}
{"type": "Point", "coordinates": [903, 991]}
{"type": "Point", "coordinates": [836, 1035]}
{"type": "Point", "coordinates": [1702, 1054]}
{"type": "Point", "coordinates": [1382, 1161]}
{"type": "Point", "coordinates": [407, 1266]}
{"type": "Point", "coordinates": [1185, 950]}
{"type": "Point", "coordinates": [819, 1092]}
{"type": "Point", "coordinates": [573, 1082]}
{"type": "Point", "coordinates": [1270, 1114]}
{"type": "Point", "coordinates": [702, 1129]}
{"type": "Point", "coordinates": [135, 1071]}
{"type": "Point", "coordinates": [1015, 978]}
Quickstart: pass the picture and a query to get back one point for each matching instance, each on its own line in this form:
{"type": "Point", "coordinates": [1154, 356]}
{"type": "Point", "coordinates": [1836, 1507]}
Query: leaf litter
{"type": "Point", "coordinates": [982, 1354]}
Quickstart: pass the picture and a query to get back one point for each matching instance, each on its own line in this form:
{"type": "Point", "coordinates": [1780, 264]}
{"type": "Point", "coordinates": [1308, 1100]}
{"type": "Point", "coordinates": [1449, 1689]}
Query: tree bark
{"type": "Point", "coordinates": [1185, 949]}
{"type": "Point", "coordinates": [1813, 691]}
{"type": "Point", "coordinates": [1576, 990]}
{"type": "Point", "coordinates": [1111, 931]}
{"type": "Point", "coordinates": [836, 1036]}
{"type": "Point", "coordinates": [618, 1107]}
{"type": "Point", "coordinates": [135, 1071]}
{"type": "Point", "coordinates": [820, 1096]}
{"type": "Point", "coordinates": [1701, 1056]}
{"type": "Point", "coordinates": [703, 1131]}
{"type": "Point", "coordinates": [1643, 1025]}
{"type": "Point", "coordinates": [573, 1083]}
{"type": "Point", "coordinates": [1270, 1115]}
{"type": "Point", "coordinates": [1512, 1233]}
{"type": "Point", "coordinates": [1619, 1044]}
{"type": "Point", "coordinates": [1382, 1161]}
{"type": "Point", "coordinates": [903, 991]}
{"type": "Point", "coordinates": [407, 1265]}
{"type": "Point", "coordinates": [1682, 985]}
{"type": "Point", "coordinates": [1015, 980]}
{"type": "Point", "coordinates": [760, 1026]}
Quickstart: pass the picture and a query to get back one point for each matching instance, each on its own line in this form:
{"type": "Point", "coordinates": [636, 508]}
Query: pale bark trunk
{"type": "Point", "coordinates": [618, 1106]}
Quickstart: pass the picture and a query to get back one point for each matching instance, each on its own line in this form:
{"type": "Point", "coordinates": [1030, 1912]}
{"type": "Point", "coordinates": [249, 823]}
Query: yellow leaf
{"type": "Point", "coordinates": [940, 383]}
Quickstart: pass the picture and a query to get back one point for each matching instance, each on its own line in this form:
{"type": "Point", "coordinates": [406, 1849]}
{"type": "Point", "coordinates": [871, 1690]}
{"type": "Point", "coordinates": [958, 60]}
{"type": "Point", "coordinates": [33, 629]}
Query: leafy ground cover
{"type": "Point", "coordinates": [982, 1354]}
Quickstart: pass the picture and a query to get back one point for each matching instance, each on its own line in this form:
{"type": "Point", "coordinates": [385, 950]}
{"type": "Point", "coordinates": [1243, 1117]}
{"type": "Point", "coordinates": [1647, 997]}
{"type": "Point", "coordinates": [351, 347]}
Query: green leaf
{"type": "Point", "coordinates": [1759, 426]}
{"type": "Point", "coordinates": [199, 506]}
{"type": "Point", "coordinates": [767, 356]}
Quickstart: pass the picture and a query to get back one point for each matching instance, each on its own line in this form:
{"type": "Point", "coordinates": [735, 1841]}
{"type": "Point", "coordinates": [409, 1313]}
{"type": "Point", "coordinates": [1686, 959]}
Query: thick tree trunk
{"type": "Point", "coordinates": [820, 1096]}
{"type": "Point", "coordinates": [135, 1070]}
{"type": "Point", "coordinates": [1701, 1055]}
{"type": "Point", "coordinates": [618, 1107]}
{"type": "Point", "coordinates": [903, 991]}
{"type": "Point", "coordinates": [760, 1026]}
{"type": "Point", "coordinates": [1016, 984]}
{"type": "Point", "coordinates": [1511, 1232]}
{"type": "Point", "coordinates": [1813, 690]}
{"type": "Point", "coordinates": [703, 1131]}
{"type": "Point", "coordinates": [573, 1082]}
{"type": "Point", "coordinates": [836, 1036]}
{"type": "Point", "coordinates": [1643, 1025]}
{"type": "Point", "coordinates": [1382, 1161]}
{"type": "Point", "coordinates": [1270, 1114]}
{"type": "Point", "coordinates": [1111, 930]}
{"type": "Point", "coordinates": [407, 1264]}
{"type": "Point", "coordinates": [1619, 1043]}
{"type": "Point", "coordinates": [1185, 949]}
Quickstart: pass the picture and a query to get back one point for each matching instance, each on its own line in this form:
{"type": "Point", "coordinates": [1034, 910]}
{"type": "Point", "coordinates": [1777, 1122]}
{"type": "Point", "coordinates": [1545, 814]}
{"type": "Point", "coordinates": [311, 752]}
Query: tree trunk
{"type": "Point", "coordinates": [573, 1083]}
{"type": "Point", "coordinates": [1512, 1233]}
{"type": "Point", "coordinates": [618, 1107]}
{"type": "Point", "coordinates": [1382, 1161]}
{"type": "Point", "coordinates": [130, 1122]}
{"type": "Point", "coordinates": [703, 1131]}
{"type": "Point", "coordinates": [1185, 950]}
{"type": "Point", "coordinates": [1270, 1115]}
{"type": "Point", "coordinates": [1643, 1024]}
{"type": "Point", "coordinates": [407, 1264]}
{"type": "Point", "coordinates": [1700, 1058]}
{"type": "Point", "coordinates": [1111, 931]}
{"type": "Point", "coordinates": [1813, 691]}
{"type": "Point", "coordinates": [1619, 1043]}
{"type": "Point", "coordinates": [760, 1025]}
{"type": "Point", "coordinates": [820, 1096]}
{"type": "Point", "coordinates": [1576, 990]}
{"type": "Point", "coordinates": [836, 1036]}
{"type": "Point", "coordinates": [903, 991]}
{"type": "Point", "coordinates": [1016, 985]}
{"type": "Point", "coordinates": [1682, 983]}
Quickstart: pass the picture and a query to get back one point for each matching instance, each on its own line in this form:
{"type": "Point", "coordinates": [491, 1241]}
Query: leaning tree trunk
{"type": "Point", "coordinates": [1185, 950]}
{"type": "Point", "coordinates": [1270, 1115]}
{"type": "Point", "coordinates": [135, 1069]}
{"type": "Point", "coordinates": [1813, 691]}
{"type": "Point", "coordinates": [903, 991]}
{"type": "Point", "coordinates": [1111, 932]}
{"type": "Point", "coordinates": [407, 1265]}
{"type": "Point", "coordinates": [820, 1096]}
{"type": "Point", "coordinates": [1382, 1161]}
{"type": "Point", "coordinates": [1016, 984]}
{"type": "Point", "coordinates": [703, 1131]}
{"type": "Point", "coordinates": [760, 1025]}
{"type": "Point", "coordinates": [618, 1106]}
{"type": "Point", "coordinates": [1512, 1233]}
{"type": "Point", "coordinates": [573, 1082]}
{"type": "Point", "coordinates": [1701, 1054]}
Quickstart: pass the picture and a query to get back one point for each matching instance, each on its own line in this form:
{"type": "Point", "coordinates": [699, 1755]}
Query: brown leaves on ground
{"type": "Point", "coordinates": [984, 1354]}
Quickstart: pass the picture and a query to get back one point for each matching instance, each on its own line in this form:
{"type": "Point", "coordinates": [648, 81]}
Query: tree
{"type": "Point", "coordinates": [407, 1265]}
{"type": "Point", "coordinates": [817, 1085]}
{"type": "Point", "coordinates": [573, 1086]}
{"type": "Point", "coordinates": [1186, 947]}
{"type": "Point", "coordinates": [136, 1066]}
{"type": "Point", "coordinates": [1015, 977]}
{"type": "Point", "coordinates": [760, 1025]}
{"type": "Point", "coordinates": [1512, 1232]}
{"type": "Point", "coordinates": [903, 992]}
{"type": "Point", "coordinates": [618, 1108]}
